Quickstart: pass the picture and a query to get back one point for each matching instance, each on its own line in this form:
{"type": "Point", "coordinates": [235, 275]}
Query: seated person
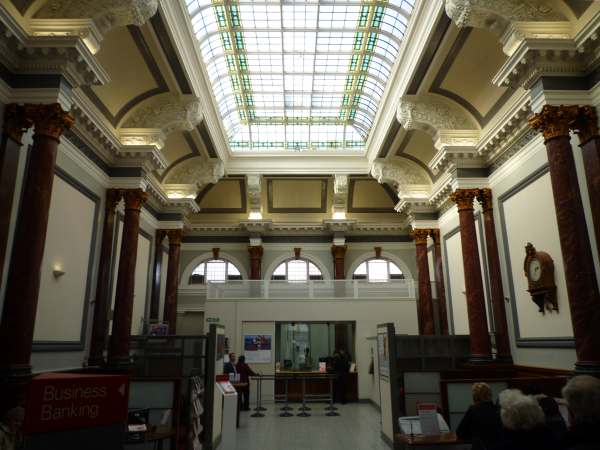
{"type": "Point", "coordinates": [582, 394]}
{"type": "Point", "coordinates": [481, 424]}
{"type": "Point", "coordinates": [229, 367]}
{"type": "Point", "coordinates": [524, 423]}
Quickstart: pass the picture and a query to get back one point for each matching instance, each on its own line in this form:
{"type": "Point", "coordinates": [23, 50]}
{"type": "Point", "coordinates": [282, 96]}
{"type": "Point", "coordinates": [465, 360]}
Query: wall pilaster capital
{"type": "Point", "coordinates": [160, 237]}
{"type": "Point", "coordinates": [255, 251]}
{"type": "Point", "coordinates": [464, 198]}
{"type": "Point", "coordinates": [48, 120]}
{"type": "Point", "coordinates": [113, 197]}
{"type": "Point", "coordinates": [435, 236]}
{"type": "Point", "coordinates": [339, 251]}
{"type": "Point", "coordinates": [586, 124]}
{"type": "Point", "coordinates": [134, 198]}
{"type": "Point", "coordinates": [175, 237]}
{"type": "Point", "coordinates": [16, 122]}
{"type": "Point", "coordinates": [554, 121]}
{"type": "Point", "coordinates": [420, 235]}
{"type": "Point", "coordinates": [484, 197]}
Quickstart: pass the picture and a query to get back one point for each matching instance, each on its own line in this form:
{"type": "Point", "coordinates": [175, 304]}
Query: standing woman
{"type": "Point", "coordinates": [245, 373]}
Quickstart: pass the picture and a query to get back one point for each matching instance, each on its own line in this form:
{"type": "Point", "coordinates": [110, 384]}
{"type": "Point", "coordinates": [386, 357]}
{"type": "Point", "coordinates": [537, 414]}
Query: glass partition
{"type": "Point", "coordinates": [302, 345]}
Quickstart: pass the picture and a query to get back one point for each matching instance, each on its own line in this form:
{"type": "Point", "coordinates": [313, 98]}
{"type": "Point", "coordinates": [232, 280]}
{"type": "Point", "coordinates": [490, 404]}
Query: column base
{"type": "Point", "coordinates": [480, 359]}
{"type": "Point", "coordinates": [119, 364]}
{"type": "Point", "coordinates": [588, 368]}
{"type": "Point", "coordinates": [506, 360]}
{"type": "Point", "coordinates": [96, 362]}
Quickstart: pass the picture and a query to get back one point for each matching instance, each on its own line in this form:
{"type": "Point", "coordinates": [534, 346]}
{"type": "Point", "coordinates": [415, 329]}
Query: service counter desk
{"type": "Point", "coordinates": [317, 383]}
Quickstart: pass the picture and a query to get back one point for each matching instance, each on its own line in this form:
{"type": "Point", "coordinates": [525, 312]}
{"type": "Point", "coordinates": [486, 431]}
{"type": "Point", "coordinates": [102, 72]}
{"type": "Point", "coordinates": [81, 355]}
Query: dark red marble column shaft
{"type": "Point", "coordinates": [22, 290]}
{"type": "Point", "coordinates": [14, 125]}
{"type": "Point", "coordinates": [427, 324]}
{"type": "Point", "coordinates": [118, 350]}
{"type": "Point", "coordinates": [582, 289]}
{"type": "Point", "coordinates": [156, 274]}
{"type": "Point", "coordinates": [439, 280]}
{"type": "Point", "coordinates": [589, 142]}
{"type": "Point", "coordinates": [102, 300]}
{"type": "Point", "coordinates": [170, 314]}
{"type": "Point", "coordinates": [481, 346]}
{"type": "Point", "coordinates": [339, 256]}
{"type": "Point", "coordinates": [255, 252]}
{"type": "Point", "coordinates": [503, 354]}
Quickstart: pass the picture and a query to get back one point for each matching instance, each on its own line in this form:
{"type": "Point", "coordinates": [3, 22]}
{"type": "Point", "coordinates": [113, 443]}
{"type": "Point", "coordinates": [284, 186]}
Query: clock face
{"type": "Point", "coordinates": [535, 270]}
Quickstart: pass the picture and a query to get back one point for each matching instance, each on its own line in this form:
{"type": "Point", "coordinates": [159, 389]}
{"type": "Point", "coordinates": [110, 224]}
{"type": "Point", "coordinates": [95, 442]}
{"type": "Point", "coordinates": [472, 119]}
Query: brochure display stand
{"type": "Point", "coordinates": [196, 412]}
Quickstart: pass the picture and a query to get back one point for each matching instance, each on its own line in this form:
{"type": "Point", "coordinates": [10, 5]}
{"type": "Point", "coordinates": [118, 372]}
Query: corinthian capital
{"type": "Point", "coordinates": [464, 198]}
{"type": "Point", "coordinates": [420, 235]}
{"type": "Point", "coordinates": [49, 119]}
{"type": "Point", "coordinates": [496, 15]}
{"type": "Point", "coordinates": [107, 14]}
{"type": "Point", "coordinates": [168, 112]}
{"type": "Point", "coordinates": [554, 121]}
{"type": "Point", "coordinates": [432, 113]}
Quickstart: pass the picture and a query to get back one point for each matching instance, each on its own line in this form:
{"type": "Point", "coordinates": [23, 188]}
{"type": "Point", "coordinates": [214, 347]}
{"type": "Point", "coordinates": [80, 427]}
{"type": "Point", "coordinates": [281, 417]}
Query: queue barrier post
{"type": "Point", "coordinates": [286, 408]}
{"type": "Point", "coordinates": [303, 409]}
{"type": "Point", "coordinates": [331, 409]}
{"type": "Point", "coordinates": [258, 409]}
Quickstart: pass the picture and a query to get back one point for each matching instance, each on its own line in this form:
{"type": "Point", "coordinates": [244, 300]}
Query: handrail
{"type": "Point", "coordinates": [312, 289]}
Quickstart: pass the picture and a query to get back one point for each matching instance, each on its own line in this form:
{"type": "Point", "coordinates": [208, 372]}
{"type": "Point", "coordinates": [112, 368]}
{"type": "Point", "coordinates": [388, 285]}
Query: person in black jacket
{"type": "Point", "coordinates": [582, 394]}
{"type": "Point", "coordinates": [229, 367]}
{"type": "Point", "coordinates": [341, 366]}
{"type": "Point", "coordinates": [524, 423]}
{"type": "Point", "coordinates": [481, 424]}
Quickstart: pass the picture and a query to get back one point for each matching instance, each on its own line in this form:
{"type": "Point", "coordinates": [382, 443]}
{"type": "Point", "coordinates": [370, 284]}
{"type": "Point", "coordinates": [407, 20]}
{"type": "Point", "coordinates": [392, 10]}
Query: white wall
{"type": "Point", "coordinates": [62, 301]}
{"type": "Point", "coordinates": [366, 313]}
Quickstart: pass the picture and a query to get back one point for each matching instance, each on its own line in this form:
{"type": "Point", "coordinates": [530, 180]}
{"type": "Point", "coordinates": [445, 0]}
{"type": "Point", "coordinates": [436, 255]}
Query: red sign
{"type": "Point", "coordinates": [60, 401]}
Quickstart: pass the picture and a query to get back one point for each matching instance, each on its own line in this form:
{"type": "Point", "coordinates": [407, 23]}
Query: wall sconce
{"type": "Point", "coordinates": [57, 271]}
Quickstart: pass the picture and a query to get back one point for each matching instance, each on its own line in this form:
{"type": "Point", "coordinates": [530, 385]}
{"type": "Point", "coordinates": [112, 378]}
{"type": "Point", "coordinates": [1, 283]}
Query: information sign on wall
{"type": "Point", "coordinates": [62, 401]}
{"type": "Point", "coordinates": [257, 348]}
{"type": "Point", "coordinates": [383, 354]}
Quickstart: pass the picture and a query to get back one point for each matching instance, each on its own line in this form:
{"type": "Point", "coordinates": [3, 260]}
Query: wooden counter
{"type": "Point", "coordinates": [313, 386]}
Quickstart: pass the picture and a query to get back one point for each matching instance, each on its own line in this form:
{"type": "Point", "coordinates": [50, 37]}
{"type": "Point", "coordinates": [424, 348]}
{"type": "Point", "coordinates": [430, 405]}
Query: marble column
{"type": "Point", "coordinates": [14, 125]}
{"type": "Point", "coordinates": [584, 299]}
{"type": "Point", "coordinates": [439, 280]}
{"type": "Point", "coordinates": [103, 291]}
{"type": "Point", "coordinates": [255, 252]}
{"type": "Point", "coordinates": [425, 307]}
{"type": "Point", "coordinates": [339, 254]}
{"type": "Point", "coordinates": [118, 350]}
{"type": "Point", "coordinates": [159, 237]}
{"type": "Point", "coordinates": [481, 347]}
{"type": "Point", "coordinates": [586, 126]}
{"type": "Point", "coordinates": [22, 290]}
{"type": "Point", "coordinates": [170, 314]}
{"type": "Point", "coordinates": [503, 353]}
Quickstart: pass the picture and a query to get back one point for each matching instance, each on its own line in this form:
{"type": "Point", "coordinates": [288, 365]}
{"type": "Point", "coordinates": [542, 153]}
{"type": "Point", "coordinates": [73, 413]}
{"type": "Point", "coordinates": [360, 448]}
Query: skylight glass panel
{"type": "Point", "coordinates": [299, 75]}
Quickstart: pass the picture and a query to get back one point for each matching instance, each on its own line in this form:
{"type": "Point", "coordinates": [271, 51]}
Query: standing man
{"type": "Point", "coordinates": [245, 373]}
{"type": "Point", "coordinates": [341, 366]}
{"type": "Point", "coordinates": [229, 367]}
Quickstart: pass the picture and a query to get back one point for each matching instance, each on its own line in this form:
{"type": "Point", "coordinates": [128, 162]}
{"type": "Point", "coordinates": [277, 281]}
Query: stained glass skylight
{"type": "Point", "coordinates": [299, 75]}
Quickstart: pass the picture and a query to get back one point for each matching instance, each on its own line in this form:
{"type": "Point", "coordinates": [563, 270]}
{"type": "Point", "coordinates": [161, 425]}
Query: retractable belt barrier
{"type": "Point", "coordinates": [307, 397]}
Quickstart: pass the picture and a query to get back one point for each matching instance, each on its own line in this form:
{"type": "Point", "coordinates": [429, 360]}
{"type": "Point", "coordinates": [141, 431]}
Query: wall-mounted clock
{"type": "Point", "coordinates": [539, 271]}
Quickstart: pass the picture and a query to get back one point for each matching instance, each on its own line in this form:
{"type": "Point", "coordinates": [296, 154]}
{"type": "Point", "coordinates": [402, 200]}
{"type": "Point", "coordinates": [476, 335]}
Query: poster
{"type": "Point", "coordinates": [257, 348]}
{"type": "Point", "coordinates": [383, 355]}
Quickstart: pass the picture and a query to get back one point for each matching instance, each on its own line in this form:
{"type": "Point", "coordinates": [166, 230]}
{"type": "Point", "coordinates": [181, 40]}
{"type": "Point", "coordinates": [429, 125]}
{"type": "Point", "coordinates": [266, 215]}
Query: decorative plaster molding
{"type": "Point", "coordinates": [455, 148]}
{"type": "Point", "coordinates": [432, 113]}
{"type": "Point", "coordinates": [496, 15]}
{"type": "Point", "coordinates": [167, 112]}
{"type": "Point", "coordinates": [106, 14]}
{"type": "Point", "coordinates": [402, 177]}
{"type": "Point", "coordinates": [254, 189]}
{"type": "Point", "coordinates": [340, 194]}
{"type": "Point", "coordinates": [197, 171]}
{"type": "Point", "coordinates": [534, 58]}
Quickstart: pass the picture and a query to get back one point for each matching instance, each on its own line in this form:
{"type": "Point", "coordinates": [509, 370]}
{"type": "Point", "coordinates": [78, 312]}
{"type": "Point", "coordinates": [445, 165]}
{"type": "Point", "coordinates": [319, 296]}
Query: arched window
{"type": "Point", "coordinates": [377, 270]}
{"type": "Point", "coordinates": [297, 270]}
{"type": "Point", "coordinates": [215, 271]}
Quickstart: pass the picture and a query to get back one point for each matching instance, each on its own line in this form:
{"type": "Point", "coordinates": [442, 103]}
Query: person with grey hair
{"type": "Point", "coordinates": [10, 429]}
{"type": "Point", "coordinates": [524, 423]}
{"type": "Point", "coordinates": [582, 394]}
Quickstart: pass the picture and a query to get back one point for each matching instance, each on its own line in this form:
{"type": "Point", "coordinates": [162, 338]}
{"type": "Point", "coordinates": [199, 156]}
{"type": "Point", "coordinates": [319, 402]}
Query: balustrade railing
{"type": "Point", "coordinates": [321, 289]}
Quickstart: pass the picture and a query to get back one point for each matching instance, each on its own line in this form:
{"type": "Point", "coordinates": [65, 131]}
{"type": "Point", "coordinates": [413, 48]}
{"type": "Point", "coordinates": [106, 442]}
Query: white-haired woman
{"type": "Point", "coordinates": [524, 423]}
